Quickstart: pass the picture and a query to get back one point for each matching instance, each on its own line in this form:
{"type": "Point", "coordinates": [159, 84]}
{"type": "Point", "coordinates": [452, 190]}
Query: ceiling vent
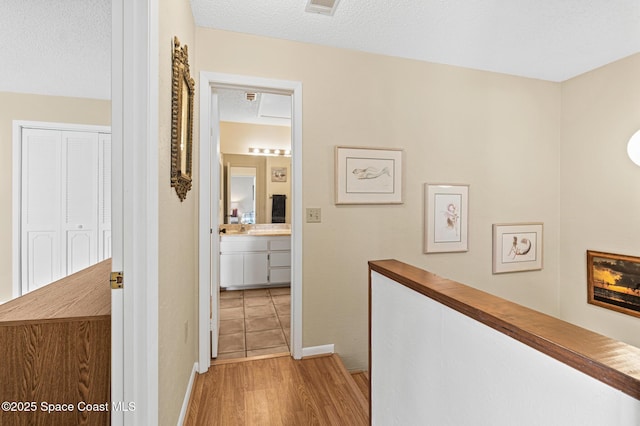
{"type": "Point", "coordinates": [323, 7]}
{"type": "Point", "coordinates": [251, 96]}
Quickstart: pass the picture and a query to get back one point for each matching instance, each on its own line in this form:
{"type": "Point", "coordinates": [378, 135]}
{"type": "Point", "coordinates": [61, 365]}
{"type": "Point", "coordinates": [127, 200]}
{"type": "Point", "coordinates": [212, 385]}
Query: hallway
{"type": "Point", "coordinates": [278, 391]}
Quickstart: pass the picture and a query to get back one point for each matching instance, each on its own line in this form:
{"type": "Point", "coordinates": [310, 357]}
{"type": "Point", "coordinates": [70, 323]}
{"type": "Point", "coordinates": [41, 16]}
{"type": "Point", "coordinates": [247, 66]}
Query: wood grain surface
{"type": "Point", "coordinates": [81, 295]}
{"type": "Point", "coordinates": [278, 391]}
{"type": "Point", "coordinates": [55, 350]}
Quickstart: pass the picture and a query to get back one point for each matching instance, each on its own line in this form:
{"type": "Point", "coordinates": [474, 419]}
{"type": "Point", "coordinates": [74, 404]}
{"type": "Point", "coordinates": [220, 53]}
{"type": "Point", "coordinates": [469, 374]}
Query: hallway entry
{"type": "Point", "coordinates": [280, 177]}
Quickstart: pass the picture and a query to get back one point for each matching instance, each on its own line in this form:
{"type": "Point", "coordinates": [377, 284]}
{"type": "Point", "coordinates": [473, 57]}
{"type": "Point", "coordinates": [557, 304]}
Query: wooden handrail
{"type": "Point", "coordinates": [607, 360]}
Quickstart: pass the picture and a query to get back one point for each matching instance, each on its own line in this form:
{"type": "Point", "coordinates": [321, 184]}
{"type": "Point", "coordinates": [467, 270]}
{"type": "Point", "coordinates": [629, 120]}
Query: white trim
{"type": "Point", "coordinates": [16, 178]}
{"type": "Point", "coordinates": [318, 350]}
{"type": "Point", "coordinates": [117, 296]}
{"type": "Point", "coordinates": [135, 209]}
{"type": "Point", "coordinates": [207, 244]}
{"type": "Point", "coordinates": [296, 240]}
{"type": "Point", "coordinates": [187, 395]}
{"type": "Point", "coordinates": [209, 187]}
{"type": "Point", "coordinates": [66, 127]}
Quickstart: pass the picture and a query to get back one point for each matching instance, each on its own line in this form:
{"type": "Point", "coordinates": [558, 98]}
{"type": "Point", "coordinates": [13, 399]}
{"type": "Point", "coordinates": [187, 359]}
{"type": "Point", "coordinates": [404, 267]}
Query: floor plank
{"type": "Point", "coordinates": [278, 391]}
{"type": "Point", "coordinates": [362, 380]}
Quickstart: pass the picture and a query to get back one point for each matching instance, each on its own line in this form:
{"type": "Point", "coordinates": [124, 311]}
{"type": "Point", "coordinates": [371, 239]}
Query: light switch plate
{"type": "Point", "coordinates": [313, 215]}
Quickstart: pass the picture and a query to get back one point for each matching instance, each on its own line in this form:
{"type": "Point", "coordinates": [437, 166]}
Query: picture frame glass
{"type": "Point", "coordinates": [184, 128]}
{"type": "Point", "coordinates": [368, 175]}
{"type": "Point", "coordinates": [613, 282]}
{"type": "Point", "coordinates": [517, 247]}
{"type": "Point", "coordinates": [446, 220]}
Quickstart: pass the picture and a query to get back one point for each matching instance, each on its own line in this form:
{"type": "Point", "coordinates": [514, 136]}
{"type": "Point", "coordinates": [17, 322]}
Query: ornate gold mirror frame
{"type": "Point", "coordinates": [182, 90]}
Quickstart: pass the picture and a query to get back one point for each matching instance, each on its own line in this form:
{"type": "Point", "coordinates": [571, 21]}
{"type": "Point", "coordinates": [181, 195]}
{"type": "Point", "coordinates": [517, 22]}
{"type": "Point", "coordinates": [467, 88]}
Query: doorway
{"type": "Point", "coordinates": [255, 239]}
{"type": "Point", "coordinates": [212, 211]}
{"type": "Point", "coordinates": [61, 202]}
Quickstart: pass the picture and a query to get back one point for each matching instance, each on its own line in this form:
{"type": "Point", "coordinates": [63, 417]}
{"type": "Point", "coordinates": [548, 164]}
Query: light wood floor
{"type": "Point", "coordinates": [278, 391]}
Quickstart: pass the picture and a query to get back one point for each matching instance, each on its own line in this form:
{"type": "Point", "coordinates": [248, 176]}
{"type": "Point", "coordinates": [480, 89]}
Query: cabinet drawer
{"type": "Point", "coordinates": [281, 243]}
{"type": "Point", "coordinates": [235, 244]}
{"type": "Point", "coordinates": [279, 276]}
{"type": "Point", "coordinates": [280, 258]}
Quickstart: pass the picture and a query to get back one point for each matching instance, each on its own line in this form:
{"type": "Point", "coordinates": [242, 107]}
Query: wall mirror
{"type": "Point", "coordinates": [182, 92]}
{"type": "Point", "coordinates": [242, 195]}
{"type": "Point", "coordinates": [245, 175]}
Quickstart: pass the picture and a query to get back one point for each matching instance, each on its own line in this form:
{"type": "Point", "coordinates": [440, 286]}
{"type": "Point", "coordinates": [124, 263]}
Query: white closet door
{"type": "Point", "coordinates": [80, 200]}
{"type": "Point", "coordinates": [66, 203]}
{"type": "Point", "coordinates": [104, 197]}
{"type": "Point", "coordinates": [41, 207]}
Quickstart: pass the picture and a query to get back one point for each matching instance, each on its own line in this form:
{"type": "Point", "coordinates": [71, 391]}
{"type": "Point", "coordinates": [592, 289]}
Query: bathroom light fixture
{"type": "Point", "coordinates": [270, 151]}
{"type": "Point", "coordinates": [633, 148]}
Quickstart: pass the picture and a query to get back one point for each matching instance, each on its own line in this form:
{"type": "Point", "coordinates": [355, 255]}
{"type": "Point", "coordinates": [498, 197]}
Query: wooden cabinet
{"type": "Point", "coordinates": [55, 349]}
{"type": "Point", "coordinates": [248, 261]}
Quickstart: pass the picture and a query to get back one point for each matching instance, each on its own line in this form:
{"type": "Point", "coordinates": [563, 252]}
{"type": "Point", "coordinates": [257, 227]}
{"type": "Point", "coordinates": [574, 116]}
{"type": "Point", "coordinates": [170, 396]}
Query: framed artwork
{"type": "Point", "coordinates": [368, 175]}
{"type": "Point", "coordinates": [182, 91]}
{"type": "Point", "coordinates": [446, 218]}
{"type": "Point", "coordinates": [613, 282]}
{"type": "Point", "coordinates": [517, 247]}
{"type": "Point", "coordinates": [278, 174]}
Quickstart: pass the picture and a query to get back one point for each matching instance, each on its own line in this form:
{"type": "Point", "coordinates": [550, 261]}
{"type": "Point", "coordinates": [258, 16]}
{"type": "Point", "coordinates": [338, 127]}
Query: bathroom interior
{"type": "Point", "coordinates": [255, 224]}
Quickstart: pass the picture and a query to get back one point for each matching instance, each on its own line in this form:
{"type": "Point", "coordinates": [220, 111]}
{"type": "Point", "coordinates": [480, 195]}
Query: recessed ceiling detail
{"type": "Point", "coordinates": [275, 106]}
{"type": "Point", "coordinates": [323, 7]}
{"type": "Point", "coordinates": [267, 109]}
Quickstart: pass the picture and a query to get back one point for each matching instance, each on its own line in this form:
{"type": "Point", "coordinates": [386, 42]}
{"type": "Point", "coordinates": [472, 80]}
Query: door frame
{"type": "Point", "coordinates": [210, 194]}
{"type": "Point", "coordinates": [135, 211]}
{"type": "Point", "coordinates": [16, 201]}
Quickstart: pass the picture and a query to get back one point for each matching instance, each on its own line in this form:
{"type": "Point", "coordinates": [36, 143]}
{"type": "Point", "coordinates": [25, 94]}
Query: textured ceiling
{"type": "Point", "coordinates": [266, 109]}
{"type": "Point", "coordinates": [56, 47]}
{"type": "Point", "coordinates": [544, 39]}
{"type": "Point", "coordinates": [62, 47]}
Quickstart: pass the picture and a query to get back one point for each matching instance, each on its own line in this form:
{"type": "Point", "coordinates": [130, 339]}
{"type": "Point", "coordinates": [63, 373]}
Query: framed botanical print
{"type": "Point", "coordinates": [446, 218]}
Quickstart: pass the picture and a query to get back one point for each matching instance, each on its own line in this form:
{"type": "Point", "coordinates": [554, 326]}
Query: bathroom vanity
{"type": "Point", "coordinates": [255, 261]}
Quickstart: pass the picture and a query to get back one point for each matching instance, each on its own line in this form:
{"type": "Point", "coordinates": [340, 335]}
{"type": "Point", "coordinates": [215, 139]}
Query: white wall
{"type": "Point", "coordinates": [498, 133]}
{"type": "Point", "coordinates": [432, 365]}
{"type": "Point", "coordinates": [599, 187]}
{"type": "Point", "coordinates": [28, 107]}
{"type": "Point", "coordinates": [177, 233]}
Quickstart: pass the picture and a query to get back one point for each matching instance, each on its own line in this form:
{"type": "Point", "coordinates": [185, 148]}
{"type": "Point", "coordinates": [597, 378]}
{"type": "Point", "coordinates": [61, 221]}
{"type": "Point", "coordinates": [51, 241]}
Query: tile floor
{"type": "Point", "coordinates": [254, 322]}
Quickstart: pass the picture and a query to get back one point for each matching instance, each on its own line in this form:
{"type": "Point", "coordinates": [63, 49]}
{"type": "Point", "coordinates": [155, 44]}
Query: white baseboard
{"type": "Point", "coordinates": [187, 395]}
{"type": "Point", "coordinates": [317, 350]}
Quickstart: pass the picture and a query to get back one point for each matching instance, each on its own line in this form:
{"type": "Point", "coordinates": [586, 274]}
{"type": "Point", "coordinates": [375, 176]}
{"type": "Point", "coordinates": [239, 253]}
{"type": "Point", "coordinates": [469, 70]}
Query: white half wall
{"type": "Point", "coordinates": [433, 365]}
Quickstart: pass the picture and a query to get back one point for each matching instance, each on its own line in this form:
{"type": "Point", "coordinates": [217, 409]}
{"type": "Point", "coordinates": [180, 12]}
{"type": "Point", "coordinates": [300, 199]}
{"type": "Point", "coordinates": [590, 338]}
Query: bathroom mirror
{"type": "Point", "coordinates": [238, 171]}
{"type": "Point", "coordinates": [242, 195]}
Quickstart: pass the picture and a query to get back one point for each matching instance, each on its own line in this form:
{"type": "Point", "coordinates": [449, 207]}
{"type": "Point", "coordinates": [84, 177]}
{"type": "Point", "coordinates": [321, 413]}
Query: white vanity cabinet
{"type": "Point", "coordinates": [254, 261]}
